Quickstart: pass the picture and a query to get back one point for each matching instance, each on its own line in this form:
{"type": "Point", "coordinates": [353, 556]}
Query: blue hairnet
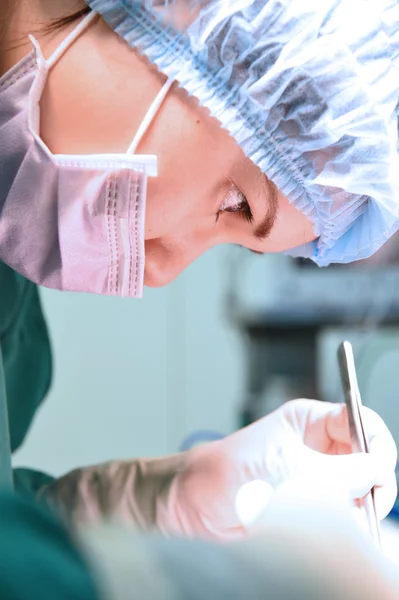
{"type": "Point", "coordinates": [308, 89]}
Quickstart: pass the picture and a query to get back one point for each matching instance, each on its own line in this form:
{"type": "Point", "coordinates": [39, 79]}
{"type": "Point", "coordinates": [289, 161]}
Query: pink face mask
{"type": "Point", "coordinates": [68, 222]}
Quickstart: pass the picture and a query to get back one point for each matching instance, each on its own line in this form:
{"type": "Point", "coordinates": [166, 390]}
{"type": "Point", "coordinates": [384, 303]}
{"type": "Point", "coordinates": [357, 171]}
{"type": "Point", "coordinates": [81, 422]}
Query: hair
{"type": "Point", "coordinates": [5, 17]}
{"type": "Point", "coordinates": [54, 25]}
{"type": "Point", "coordinates": [57, 24]}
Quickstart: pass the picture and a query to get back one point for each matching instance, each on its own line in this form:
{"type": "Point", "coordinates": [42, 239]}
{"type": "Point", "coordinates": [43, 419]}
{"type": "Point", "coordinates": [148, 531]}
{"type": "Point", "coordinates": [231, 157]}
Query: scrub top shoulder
{"type": "Point", "coordinates": [26, 351]}
{"type": "Point", "coordinates": [27, 362]}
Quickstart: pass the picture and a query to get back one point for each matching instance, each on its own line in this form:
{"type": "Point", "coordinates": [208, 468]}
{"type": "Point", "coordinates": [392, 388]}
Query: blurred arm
{"type": "Point", "coordinates": [135, 492]}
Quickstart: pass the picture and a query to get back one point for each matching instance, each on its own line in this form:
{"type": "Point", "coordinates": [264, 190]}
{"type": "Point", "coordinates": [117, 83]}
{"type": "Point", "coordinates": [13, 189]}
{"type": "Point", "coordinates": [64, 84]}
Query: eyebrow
{"type": "Point", "coordinates": [270, 192]}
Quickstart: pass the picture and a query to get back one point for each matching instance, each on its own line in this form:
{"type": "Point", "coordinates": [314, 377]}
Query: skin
{"type": "Point", "coordinates": [203, 174]}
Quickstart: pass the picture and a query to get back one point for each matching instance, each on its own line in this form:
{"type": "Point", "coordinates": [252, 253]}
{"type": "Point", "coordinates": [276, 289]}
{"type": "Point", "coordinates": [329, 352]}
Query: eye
{"type": "Point", "coordinates": [236, 202]}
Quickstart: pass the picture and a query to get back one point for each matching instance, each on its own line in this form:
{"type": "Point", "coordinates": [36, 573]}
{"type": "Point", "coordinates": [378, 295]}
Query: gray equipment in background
{"type": "Point", "coordinates": [284, 306]}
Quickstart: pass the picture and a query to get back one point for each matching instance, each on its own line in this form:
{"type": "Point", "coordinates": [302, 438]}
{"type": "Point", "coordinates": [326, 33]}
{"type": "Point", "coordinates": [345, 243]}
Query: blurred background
{"type": "Point", "coordinates": [229, 341]}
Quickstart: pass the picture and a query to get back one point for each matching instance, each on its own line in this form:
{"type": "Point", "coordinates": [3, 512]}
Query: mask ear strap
{"type": "Point", "coordinates": [75, 33]}
{"type": "Point", "coordinates": [149, 117]}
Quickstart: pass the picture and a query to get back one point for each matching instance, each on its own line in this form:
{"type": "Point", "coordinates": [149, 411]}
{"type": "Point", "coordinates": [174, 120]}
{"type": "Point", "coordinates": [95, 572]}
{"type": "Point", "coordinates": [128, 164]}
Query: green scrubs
{"type": "Point", "coordinates": [38, 557]}
{"type": "Point", "coordinates": [26, 350]}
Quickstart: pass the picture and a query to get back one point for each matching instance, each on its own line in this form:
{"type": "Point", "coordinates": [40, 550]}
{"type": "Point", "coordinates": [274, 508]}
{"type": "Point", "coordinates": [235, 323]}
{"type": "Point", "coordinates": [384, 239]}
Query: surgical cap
{"type": "Point", "coordinates": [307, 88]}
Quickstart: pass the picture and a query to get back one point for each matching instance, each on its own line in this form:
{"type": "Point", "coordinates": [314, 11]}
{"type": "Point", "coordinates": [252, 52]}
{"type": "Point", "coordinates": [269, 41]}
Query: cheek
{"type": "Point", "coordinates": [291, 228]}
{"type": "Point", "coordinates": [191, 170]}
{"type": "Point", "coordinates": [175, 198]}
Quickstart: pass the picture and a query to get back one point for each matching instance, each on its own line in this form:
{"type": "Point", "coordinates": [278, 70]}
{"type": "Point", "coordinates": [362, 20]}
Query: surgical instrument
{"type": "Point", "coordinates": [356, 427]}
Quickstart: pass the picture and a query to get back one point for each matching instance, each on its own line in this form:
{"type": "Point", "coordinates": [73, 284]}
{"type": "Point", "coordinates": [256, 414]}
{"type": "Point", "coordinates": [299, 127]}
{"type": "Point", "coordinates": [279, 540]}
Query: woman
{"type": "Point", "coordinates": [106, 159]}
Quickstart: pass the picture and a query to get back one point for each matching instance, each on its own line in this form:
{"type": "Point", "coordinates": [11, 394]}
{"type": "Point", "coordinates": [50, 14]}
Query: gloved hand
{"type": "Point", "coordinates": [194, 493]}
{"type": "Point", "coordinates": [305, 440]}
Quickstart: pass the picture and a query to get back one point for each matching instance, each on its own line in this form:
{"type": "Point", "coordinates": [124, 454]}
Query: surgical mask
{"type": "Point", "coordinates": [69, 222]}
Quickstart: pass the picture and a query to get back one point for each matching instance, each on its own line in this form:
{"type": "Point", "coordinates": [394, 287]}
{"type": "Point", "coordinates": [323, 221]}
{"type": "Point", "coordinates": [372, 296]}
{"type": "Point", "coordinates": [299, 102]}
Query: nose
{"type": "Point", "coordinates": [164, 262]}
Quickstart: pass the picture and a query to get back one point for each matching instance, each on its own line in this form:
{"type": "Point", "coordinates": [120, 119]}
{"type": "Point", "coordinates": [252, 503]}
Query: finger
{"type": "Point", "coordinates": [356, 474]}
{"type": "Point", "coordinates": [303, 494]}
{"type": "Point", "coordinates": [385, 497]}
{"type": "Point", "coordinates": [359, 515]}
{"type": "Point", "coordinates": [379, 438]}
{"type": "Point", "coordinates": [308, 415]}
{"type": "Point", "coordinates": [319, 423]}
{"type": "Point", "coordinates": [380, 441]}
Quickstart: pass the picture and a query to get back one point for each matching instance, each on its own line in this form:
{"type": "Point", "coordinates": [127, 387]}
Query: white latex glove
{"type": "Point", "coordinates": [306, 440]}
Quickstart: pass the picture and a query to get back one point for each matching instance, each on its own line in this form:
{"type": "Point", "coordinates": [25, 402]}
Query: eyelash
{"type": "Point", "coordinates": [242, 207]}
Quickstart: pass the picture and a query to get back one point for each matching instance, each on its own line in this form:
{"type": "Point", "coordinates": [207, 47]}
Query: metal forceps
{"type": "Point", "coordinates": [357, 433]}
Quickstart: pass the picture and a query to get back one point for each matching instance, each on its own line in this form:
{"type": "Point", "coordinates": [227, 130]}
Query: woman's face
{"type": "Point", "coordinates": [206, 193]}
